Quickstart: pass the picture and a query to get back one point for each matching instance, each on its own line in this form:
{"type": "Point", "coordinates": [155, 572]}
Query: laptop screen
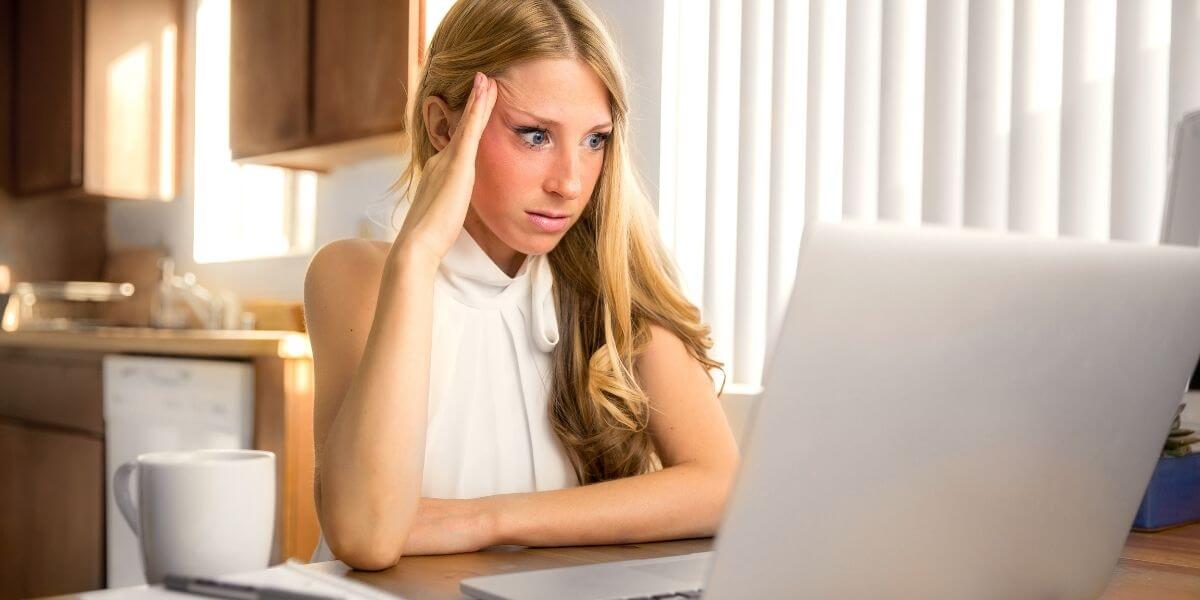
{"type": "Point", "coordinates": [1181, 215]}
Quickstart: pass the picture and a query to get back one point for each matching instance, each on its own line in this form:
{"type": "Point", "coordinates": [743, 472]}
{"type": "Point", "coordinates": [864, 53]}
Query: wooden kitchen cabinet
{"type": "Point", "coordinates": [48, 107]}
{"type": "Point", "coordinates": [51, 511]}
{"type": "Point", "coordinates": [7, 54]}
{"type": "Point", "coordinates": [92, 105]}
{"type": "Point", "coordinates": [283, 424]}
{"type": "Point", "coordinates": [315, 84]}
{"type": "Point", "coordinates": [51, 475]}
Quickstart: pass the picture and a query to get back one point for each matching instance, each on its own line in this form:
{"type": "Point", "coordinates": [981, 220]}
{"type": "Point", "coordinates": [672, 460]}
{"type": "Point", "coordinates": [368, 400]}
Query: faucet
{"type": "Point", "coordinates": [213, 311]}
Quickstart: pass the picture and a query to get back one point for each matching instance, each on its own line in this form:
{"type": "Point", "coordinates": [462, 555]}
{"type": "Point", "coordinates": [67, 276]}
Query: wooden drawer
{"type": "Point", "coordinates": [51, 511]}
{"type": "Point", "coordinates": [54, 390]}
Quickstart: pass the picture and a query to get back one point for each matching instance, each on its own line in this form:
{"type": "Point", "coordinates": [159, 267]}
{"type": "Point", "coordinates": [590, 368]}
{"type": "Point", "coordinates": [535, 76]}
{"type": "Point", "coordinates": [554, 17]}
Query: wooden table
{"type": "Point", "coordinates": [1159, 565]}
{"type": "Point", "coordinates": [1162, 565]}
{"type": "Point", "coordinates": [1155, 566]}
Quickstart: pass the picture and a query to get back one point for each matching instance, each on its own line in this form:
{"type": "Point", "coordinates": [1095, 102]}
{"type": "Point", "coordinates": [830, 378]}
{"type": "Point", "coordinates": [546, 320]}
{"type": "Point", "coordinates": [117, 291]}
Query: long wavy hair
{"type": "Point", "coordinates": [613, 278]}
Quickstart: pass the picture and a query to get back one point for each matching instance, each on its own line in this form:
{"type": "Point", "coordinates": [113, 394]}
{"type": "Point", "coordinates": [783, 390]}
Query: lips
{"type": "Point", "coordinates": [547, 222]}
{"type": "Point", "coordinates": [548, 214]}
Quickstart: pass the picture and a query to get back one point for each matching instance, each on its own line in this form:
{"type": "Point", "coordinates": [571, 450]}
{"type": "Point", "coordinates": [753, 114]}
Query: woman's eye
{"type": "Point", "coordinates": [598, 139]}
{"type": "Point", "coordinates": [533, 137]}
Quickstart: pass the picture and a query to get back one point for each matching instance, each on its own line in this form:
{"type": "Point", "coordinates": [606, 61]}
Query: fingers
{"type": "Point", "coordinates": [467, 108]}
{"type": "Point", "coordinates": [475, 117]}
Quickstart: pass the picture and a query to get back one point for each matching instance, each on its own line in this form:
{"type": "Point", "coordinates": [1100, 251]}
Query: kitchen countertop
{"type": "Point", "coordinates": [185, 342]}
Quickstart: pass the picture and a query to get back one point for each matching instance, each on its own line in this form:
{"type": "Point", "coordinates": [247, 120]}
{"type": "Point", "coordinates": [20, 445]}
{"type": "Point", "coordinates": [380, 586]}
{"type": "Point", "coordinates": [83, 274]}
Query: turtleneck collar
{"type": "Point", "coordinates": [477, 281]}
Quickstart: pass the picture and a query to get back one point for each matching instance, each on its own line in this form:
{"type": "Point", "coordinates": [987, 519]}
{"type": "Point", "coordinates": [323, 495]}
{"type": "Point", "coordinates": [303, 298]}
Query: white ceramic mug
{"type": "Point", "coordinates": [200, 513]}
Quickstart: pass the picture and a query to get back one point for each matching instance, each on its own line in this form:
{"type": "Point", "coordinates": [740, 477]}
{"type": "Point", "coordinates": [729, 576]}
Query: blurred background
{"type": "Point", "coordinates": [168, 168]}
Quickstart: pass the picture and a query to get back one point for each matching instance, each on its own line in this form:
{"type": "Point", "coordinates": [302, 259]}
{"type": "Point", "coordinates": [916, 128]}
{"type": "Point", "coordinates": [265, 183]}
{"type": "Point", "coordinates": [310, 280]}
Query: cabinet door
{"type": "Point", "coordinates": [49, 96]}
{"type": "Point", "coordinates": [53, 390]}
{"type": "Point", "coordinates": [364, 56]}
{"type": "Point", "coordinates": [51, 511]}
{"type": "Point", "coordinates": [269, 76]}
{"type": "Point", "coordinates": [8, 13]}
{"type": "Point", "coordinates": [130, 98]}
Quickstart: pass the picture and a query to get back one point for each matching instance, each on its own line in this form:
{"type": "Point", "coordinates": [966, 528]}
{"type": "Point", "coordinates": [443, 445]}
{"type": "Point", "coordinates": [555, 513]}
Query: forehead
{"type": "Point", "coordinates": [562, 90]}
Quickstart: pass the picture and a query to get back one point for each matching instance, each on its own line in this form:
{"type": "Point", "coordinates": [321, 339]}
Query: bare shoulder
{"type": "Point", "coordinates": [663, 346]}
{"type": "Point", "coordinates": [344, 263]}
{"type": "Point", "coordinates": [665, 363]}
{"type": "Point", "coordinates": [338, 257]}
{"type": "Point", "coordinates": [343, 281]}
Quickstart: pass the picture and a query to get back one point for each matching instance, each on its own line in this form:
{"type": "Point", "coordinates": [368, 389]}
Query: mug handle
{"type": "Point", "coordinates": [121, 494]}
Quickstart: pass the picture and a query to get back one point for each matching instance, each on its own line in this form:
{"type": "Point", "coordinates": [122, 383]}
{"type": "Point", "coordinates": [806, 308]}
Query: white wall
{"type": "Point", "coordinates": [637, 29]}
{"type": "Point", "coordinates": [343, 195]}
{"type": "Point", "coordinates": [341, 199]}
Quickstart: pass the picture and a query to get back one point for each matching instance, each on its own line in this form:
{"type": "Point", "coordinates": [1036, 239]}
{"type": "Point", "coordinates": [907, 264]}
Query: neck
{"type": "Point", "coordinates": [507, 259]}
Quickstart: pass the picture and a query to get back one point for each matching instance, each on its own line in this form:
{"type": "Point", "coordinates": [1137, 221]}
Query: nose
{"type": "Point", "coordinates": [563, 178]}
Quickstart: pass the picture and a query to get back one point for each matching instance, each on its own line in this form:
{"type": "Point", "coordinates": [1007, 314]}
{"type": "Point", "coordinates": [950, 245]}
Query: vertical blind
{"type": "Point", "coordinates": [1049, 117]}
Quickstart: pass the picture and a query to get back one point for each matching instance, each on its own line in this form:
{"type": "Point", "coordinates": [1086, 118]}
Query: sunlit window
{"type": "Point", "coordinates": [435, 10]}
{"type": "Point", "coordinates": [241, 211]}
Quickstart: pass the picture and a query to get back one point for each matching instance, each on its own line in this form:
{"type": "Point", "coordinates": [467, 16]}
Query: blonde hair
{"type": "Point", "coordinates": [613, 277]}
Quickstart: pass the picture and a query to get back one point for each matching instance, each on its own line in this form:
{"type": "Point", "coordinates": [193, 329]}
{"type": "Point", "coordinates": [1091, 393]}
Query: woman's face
{"type": "Point", "coordinates": [539, 157]}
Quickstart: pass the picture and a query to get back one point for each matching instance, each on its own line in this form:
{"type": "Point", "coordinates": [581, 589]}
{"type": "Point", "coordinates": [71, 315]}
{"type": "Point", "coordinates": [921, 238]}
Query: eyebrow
{"type": "Point", "coordinates": [556, 123]}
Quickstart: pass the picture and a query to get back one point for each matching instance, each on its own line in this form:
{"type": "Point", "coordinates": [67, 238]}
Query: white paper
{"type": "Point", "coordinates": [320, 578]}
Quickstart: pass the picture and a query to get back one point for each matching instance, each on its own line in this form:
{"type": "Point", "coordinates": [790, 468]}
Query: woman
{"type": "Point", "coordinates": [518, 366]}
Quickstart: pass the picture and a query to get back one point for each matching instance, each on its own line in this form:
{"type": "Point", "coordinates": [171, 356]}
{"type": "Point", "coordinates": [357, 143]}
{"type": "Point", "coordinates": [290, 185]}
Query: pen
{"type": "Point", "coordinates": [235, 591]}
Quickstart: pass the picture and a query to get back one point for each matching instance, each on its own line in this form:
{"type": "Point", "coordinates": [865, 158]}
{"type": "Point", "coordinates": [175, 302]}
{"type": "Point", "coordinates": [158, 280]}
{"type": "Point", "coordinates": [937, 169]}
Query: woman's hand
{"type": "Point", "coordinates": [449, 527]}
{"type": "Point", "coordinates": [439, 206]}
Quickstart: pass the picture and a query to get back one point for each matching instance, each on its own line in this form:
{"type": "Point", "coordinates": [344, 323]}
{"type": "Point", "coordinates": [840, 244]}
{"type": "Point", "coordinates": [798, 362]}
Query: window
{"type": "Point", "coordinates": [1014, 115]}
{"type": "Point", "coordinates": [242, 212]}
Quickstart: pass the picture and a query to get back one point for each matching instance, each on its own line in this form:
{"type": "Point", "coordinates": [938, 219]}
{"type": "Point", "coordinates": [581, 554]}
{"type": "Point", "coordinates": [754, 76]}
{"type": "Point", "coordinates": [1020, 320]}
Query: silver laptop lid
{"type": "Point", "coordinates": [1181, 215]}
{"type": "Point", "coordinates": [958, 414]}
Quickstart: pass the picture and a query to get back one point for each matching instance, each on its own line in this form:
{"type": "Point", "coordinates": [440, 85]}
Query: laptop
{"type": "Point", "coordinates": [946, 414]}
{"type": "Point", "coordinates": [1181, 213]}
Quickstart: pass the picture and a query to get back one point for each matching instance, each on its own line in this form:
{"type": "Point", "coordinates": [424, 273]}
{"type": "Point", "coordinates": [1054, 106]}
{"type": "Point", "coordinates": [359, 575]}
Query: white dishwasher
{"type": "Point", "coordinates": [153, 404]}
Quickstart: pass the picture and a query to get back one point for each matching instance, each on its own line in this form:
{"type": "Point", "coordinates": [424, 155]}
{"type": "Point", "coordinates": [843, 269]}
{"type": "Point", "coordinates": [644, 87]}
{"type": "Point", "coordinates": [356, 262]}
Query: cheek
{"type": "Point", "coordinates": [592, 178]}
{"type": "Point", "coordinates": [504, 174]}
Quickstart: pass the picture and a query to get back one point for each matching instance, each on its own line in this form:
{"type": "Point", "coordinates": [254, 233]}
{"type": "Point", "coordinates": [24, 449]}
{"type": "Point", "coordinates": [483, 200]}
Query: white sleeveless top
{"type": "Point", "coordinates": [488, 430]}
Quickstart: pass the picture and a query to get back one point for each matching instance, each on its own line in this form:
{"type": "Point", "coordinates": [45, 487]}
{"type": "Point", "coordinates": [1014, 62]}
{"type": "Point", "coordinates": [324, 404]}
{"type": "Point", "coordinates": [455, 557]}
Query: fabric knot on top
{"type": "Point", "coordinates": [477, 281]}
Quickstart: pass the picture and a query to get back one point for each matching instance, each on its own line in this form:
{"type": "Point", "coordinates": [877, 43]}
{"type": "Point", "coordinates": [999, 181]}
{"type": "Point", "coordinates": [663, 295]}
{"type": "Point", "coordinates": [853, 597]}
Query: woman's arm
{"type": "Point", "coordinates": [370, 324]}
{"type": "Point", "coordinates": [370, 331]}
{"type": "Point", "coordinates": [685, 499]}
{"type": "Point", "coordinates": [680, 501]}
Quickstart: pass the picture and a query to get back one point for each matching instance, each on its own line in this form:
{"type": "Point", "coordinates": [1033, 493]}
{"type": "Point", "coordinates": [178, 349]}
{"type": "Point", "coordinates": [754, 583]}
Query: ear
{"type": "Point", "coordinates": [440, 121]}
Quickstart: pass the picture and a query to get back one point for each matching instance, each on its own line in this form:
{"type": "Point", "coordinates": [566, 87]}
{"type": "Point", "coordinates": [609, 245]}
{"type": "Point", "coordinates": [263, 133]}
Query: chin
{"type": "Point", "coordinates": [533, 242]}
{"type": "Point", "coordinates": [536, 243]}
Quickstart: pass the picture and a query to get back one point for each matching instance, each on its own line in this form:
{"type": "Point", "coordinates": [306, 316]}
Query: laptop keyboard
{"type": "Point", "coordinates": [671, 596]}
